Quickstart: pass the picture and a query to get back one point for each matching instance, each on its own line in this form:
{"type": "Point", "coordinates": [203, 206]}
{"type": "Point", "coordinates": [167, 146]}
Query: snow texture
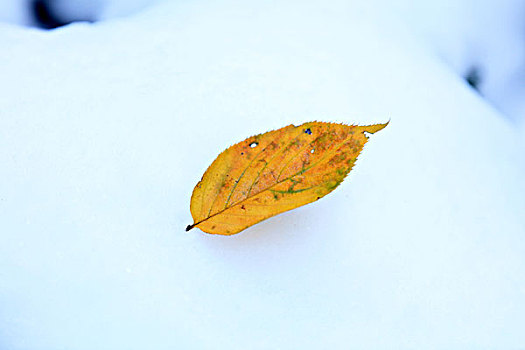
{"type": "Point", "coordinates": [106, 128]}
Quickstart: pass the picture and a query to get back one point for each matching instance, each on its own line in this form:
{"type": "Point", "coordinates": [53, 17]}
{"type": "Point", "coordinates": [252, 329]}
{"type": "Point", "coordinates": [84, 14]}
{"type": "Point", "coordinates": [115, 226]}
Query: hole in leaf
{"type": "Point", "coordinates": [254, 144]}
{"type": "Point", "coordinates": [308, 131]}
{"type": "Point", "coordinates": [313, 150]}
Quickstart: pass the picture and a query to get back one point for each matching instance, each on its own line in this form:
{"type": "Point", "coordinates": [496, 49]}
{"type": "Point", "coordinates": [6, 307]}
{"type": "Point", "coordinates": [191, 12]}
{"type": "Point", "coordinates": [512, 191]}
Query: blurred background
{"type": "Point", "coordinates": [483, 41]}
{"type": "Point", "coordinates": [50, 14]}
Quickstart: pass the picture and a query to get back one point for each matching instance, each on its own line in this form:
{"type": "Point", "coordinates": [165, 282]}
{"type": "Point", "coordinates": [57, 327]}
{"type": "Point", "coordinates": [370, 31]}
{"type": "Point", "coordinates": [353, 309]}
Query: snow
{"type": "Point", "coordinates": [106, 128]}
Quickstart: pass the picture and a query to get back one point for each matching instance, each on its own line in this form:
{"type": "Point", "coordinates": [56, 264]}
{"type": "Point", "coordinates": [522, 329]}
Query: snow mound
{"type": "Point", "coordinates": [106, 128]}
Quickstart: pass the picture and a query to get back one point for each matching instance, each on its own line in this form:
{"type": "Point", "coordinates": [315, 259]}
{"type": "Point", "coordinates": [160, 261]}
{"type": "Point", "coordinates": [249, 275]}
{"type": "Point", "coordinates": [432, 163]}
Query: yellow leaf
{"type": "Point", "coordinates": [271, 173]}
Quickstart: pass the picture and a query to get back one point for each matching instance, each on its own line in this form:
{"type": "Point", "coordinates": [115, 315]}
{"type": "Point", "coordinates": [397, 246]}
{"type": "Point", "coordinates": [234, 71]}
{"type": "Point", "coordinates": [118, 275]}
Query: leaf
{"type": "Point", "coordinates": [271, 173]}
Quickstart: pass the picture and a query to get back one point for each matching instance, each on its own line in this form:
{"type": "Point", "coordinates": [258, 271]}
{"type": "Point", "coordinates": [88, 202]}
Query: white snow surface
{"type": "Point", "coordinates": [105, 129]}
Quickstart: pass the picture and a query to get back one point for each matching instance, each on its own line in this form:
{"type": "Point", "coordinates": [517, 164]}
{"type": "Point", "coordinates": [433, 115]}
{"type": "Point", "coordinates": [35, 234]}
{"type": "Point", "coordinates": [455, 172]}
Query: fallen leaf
{"type": "Point", "coordinates": [274, 172]}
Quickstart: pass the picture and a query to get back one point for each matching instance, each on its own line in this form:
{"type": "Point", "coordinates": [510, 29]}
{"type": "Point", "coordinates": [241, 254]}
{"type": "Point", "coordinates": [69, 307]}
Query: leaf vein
{"type": "Point", "coordinates": [302, 171]}
{"type": "Point", "coordinates": [267, 163]}
{"type": "Point", "coordinates": [296, 154]}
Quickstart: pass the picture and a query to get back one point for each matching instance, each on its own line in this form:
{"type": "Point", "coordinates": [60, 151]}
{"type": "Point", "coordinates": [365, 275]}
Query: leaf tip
{"type": "Point", "coordinates": [372, 129]}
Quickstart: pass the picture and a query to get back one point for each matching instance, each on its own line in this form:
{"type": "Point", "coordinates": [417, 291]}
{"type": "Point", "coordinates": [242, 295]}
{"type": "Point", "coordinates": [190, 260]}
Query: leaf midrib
{"type": "Point", "coordinates": [302, 171]}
